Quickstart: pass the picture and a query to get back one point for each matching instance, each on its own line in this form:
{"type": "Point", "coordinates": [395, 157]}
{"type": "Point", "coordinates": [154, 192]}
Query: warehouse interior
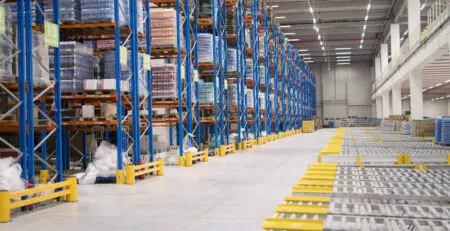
{"type": "Point", "coordinates": [276, 115]}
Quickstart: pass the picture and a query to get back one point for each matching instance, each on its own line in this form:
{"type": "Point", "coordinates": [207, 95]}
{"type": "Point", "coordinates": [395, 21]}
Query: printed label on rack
{"type": "Point", "coordinates": [226, 84]}
{"type": "Point", "coordinates": [183, 72]}
{"type": "Point", "coordinates": [2, 20]}
{"type": "Point", "coordinates": [195, 76]}
{"type": "Point", "coordinates": [147, 62]}
{"type": "Point", "coordinates": [51, 34]}
{"type": "Point", "coordinates": [123, 55]}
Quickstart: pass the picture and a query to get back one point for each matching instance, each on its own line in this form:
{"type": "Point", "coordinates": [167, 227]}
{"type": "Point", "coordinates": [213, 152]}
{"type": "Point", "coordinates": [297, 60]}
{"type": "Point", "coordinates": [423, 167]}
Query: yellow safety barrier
{"type": "Point", "coordinates": [66, 189]}
{"type": "Point", "coordinates": [250, 143]}
{"type": "Point", "coordinates": [132, 171]}
{"type": "Point", "coordinates": [193, 157]}
{"type": "Point", "coordinates": [227, 149]}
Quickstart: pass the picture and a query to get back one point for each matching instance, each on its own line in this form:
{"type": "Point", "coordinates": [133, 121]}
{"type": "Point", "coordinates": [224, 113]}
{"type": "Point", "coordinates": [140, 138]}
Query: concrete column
{"type": "Point", "coordinates": [379, 107]}
{"type": "Point", "coordinates": [395, 43]}
{"type": "Point", "coordinates": [377, 70]}
{"type": "Point", "coordinates": [386, 106]}
{"type": "Point", "coordinates": [413, 22]}
{"type": "Point", "coordinates": [397, 99]}
{"type": "Point", "coordinates": [384, 60]}
{"type": "Point", "coordinates": [415, 82]}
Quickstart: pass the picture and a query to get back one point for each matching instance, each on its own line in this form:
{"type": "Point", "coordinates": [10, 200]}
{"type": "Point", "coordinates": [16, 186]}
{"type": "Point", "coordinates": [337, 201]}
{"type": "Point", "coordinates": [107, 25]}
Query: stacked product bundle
{"type": "Point", "coordinates": [249, 68]}
{"type": "Point", "coordinates": [95, 11]}
{"type": "Point", "coordinates": [445, 131]}
{"type": "Point", "coordinates": [262, 74]}
{"type": "Point", "coordinates": [231, 60]}
{"type": "Point", "coordinates": [76, 65]}
{"type": "Point", "coordinates": [41, 77]}
{"type": "Point", "coordinates": [69, 11]}
{"type": "Point", "coordinates": [262, 100]}
{"type": "Point", "coordinates": [249, 93]}
{"type": "Point", "coordinates": [205, 48]}
{"type": "Point", "coordinates": [232, 94]}
{"type": "Point", "coordinates": [7, 48]}
{"type": "Point", "coordinates": [164, 84]}
{"type": "Point", "coordinates": [231, 21]}
{"type": "Point", "coordinates": [205, 8]}
{"type": "Point", "coordinates": [406, 128]}
{"type": "Point", "coordinates": [423, 128]}
{"type": "Point", "coordinates": [12, 9]}
{"type": "Point", "coordinates": [109, 73]}
{"type": "Point", "coordinates": [164, 28]}
{"type": "Point", "coordinates": [388, 126]}
{"type": "Point", "coordinates": [206, 93]}
{"type": "Point", "coordinates": [438, 131]}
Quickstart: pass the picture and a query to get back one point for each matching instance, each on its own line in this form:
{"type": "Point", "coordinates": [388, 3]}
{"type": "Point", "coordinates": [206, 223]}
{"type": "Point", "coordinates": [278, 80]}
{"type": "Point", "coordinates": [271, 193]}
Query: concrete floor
{"type": "Point", "coordinates": [236, 192]}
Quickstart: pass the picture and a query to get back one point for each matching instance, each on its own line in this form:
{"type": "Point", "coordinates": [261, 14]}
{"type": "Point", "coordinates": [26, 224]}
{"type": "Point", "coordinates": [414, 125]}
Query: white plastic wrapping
{"type": "Point", "coordinates": [10, 175]}
{"type": "Point", "coordinates": [104, 164]}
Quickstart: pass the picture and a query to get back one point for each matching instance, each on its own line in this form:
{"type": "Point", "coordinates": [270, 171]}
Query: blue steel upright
{"type": "Point", "coordinates": [135, 84]}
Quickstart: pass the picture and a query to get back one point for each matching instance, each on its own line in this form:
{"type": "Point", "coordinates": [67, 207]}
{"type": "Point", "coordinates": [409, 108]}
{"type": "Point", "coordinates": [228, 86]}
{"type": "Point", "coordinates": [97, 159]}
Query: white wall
{"type": "Point", "coordinates": [345, 89]}
{"type": "Point", "coordinates": [435, 108]}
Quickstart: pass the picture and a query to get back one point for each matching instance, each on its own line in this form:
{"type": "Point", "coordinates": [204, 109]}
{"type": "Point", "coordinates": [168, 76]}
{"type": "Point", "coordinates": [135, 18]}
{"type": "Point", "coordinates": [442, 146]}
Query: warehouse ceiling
{"type": "Point", "coordinates": [340, 24]}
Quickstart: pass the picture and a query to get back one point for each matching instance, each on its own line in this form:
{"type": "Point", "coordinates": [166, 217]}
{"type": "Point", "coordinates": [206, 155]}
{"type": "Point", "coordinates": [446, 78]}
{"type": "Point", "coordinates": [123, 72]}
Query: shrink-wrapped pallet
{"type": "Point", "coordinates": [206, 93]}
{"type": "Point", "coordinates": [205, 48]}
{"type": "Point", "coordinates": [231, 60]}
{"type": "Point", "coordinates": [164, 81]}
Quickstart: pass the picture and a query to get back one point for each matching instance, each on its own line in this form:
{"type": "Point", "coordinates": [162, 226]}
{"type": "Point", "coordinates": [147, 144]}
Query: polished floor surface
{"type": "Point", "coordinates": [236, 192]}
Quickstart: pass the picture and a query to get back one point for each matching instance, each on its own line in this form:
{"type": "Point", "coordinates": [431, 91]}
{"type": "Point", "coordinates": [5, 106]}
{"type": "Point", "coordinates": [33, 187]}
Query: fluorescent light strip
{"type": "Point", "coordinates": [343, 53]}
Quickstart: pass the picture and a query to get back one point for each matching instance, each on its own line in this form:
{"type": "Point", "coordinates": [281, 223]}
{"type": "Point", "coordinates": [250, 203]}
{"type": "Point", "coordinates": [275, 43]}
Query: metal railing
{"type": "Point", "coordinates": [437, 14]}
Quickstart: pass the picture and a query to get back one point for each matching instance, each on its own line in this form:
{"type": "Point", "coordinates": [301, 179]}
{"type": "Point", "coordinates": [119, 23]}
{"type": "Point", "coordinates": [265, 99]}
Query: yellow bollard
{"type": "Point", "coordinates": [130, 177]}
{"type": "Point", "coordinates": [73, 196]}
{"type": "Point", "coordinates": [43, 176]}
{"type": "Point", "coordinates": [222, 150]}
{"type": "Point", "coordinates": [244, 145]}
{"type": "Point", "coordinates": [181, 161]}
{"type": "Point", "coordinates": [188, 159]}
{"type": "Point", "coordinates": [206, 155]}
{"type": "Point", "coordinates": [216, 152]}
{"type": "Point", "coordinates": [5, 212]}
{"type": "Point", "coordinates": [160, 171]}
{"type": "Point", "coordinates": [120, 176]}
